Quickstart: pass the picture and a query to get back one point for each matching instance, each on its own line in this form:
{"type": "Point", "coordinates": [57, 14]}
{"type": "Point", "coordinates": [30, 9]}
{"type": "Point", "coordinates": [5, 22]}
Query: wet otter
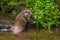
{"type": "Point", "coordinates": [20, 21]}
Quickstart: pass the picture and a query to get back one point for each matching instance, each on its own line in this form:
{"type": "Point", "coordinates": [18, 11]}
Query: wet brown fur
{"type": "Point", "coordinates": [21, 19]}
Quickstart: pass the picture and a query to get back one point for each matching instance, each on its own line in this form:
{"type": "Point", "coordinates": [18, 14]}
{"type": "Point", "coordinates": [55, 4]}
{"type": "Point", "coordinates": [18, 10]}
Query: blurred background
{"type": "Point", "coordinates": [45, 24]}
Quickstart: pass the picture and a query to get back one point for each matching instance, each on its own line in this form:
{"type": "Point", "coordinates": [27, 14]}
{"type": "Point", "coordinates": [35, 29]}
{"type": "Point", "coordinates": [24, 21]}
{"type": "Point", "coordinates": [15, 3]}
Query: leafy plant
{"type": "Point", "coordinates": [8, 5]}
{"type": "Point", "coordinates": [45, 12]}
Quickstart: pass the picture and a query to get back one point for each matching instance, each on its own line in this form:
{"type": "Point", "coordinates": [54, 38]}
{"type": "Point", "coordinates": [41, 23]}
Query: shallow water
{"type": "Point", "coordinates": [32, 35]}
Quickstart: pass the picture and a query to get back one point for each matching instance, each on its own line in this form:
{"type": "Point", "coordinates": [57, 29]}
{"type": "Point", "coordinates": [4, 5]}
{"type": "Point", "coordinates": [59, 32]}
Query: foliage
{"type": "Point", "coordinates": [45, 12]}
{"type": "Point", "coordinates": [8, 5]}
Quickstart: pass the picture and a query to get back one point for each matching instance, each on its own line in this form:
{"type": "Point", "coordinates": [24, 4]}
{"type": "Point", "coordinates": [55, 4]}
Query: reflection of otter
{"type": "Point", "coordinates": [20, 21]}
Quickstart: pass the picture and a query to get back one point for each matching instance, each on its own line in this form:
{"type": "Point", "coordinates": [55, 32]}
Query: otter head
{"type": "Point", "coordinates": [27, 13]}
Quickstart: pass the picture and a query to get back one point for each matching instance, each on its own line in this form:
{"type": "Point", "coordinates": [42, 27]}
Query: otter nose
{"type": "Point", "coordinates": [26, 14]}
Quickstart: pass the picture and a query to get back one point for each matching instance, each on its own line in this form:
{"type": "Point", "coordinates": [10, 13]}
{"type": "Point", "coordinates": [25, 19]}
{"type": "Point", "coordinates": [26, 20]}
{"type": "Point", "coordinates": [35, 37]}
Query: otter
{"type": "Point", "coordinates": [20, 21]}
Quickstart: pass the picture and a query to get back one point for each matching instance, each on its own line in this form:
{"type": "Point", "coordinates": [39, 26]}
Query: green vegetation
{"type": "Point", "coordinates": [45, 12]}
{"type": "Point", "coordinates": [8, 5]}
